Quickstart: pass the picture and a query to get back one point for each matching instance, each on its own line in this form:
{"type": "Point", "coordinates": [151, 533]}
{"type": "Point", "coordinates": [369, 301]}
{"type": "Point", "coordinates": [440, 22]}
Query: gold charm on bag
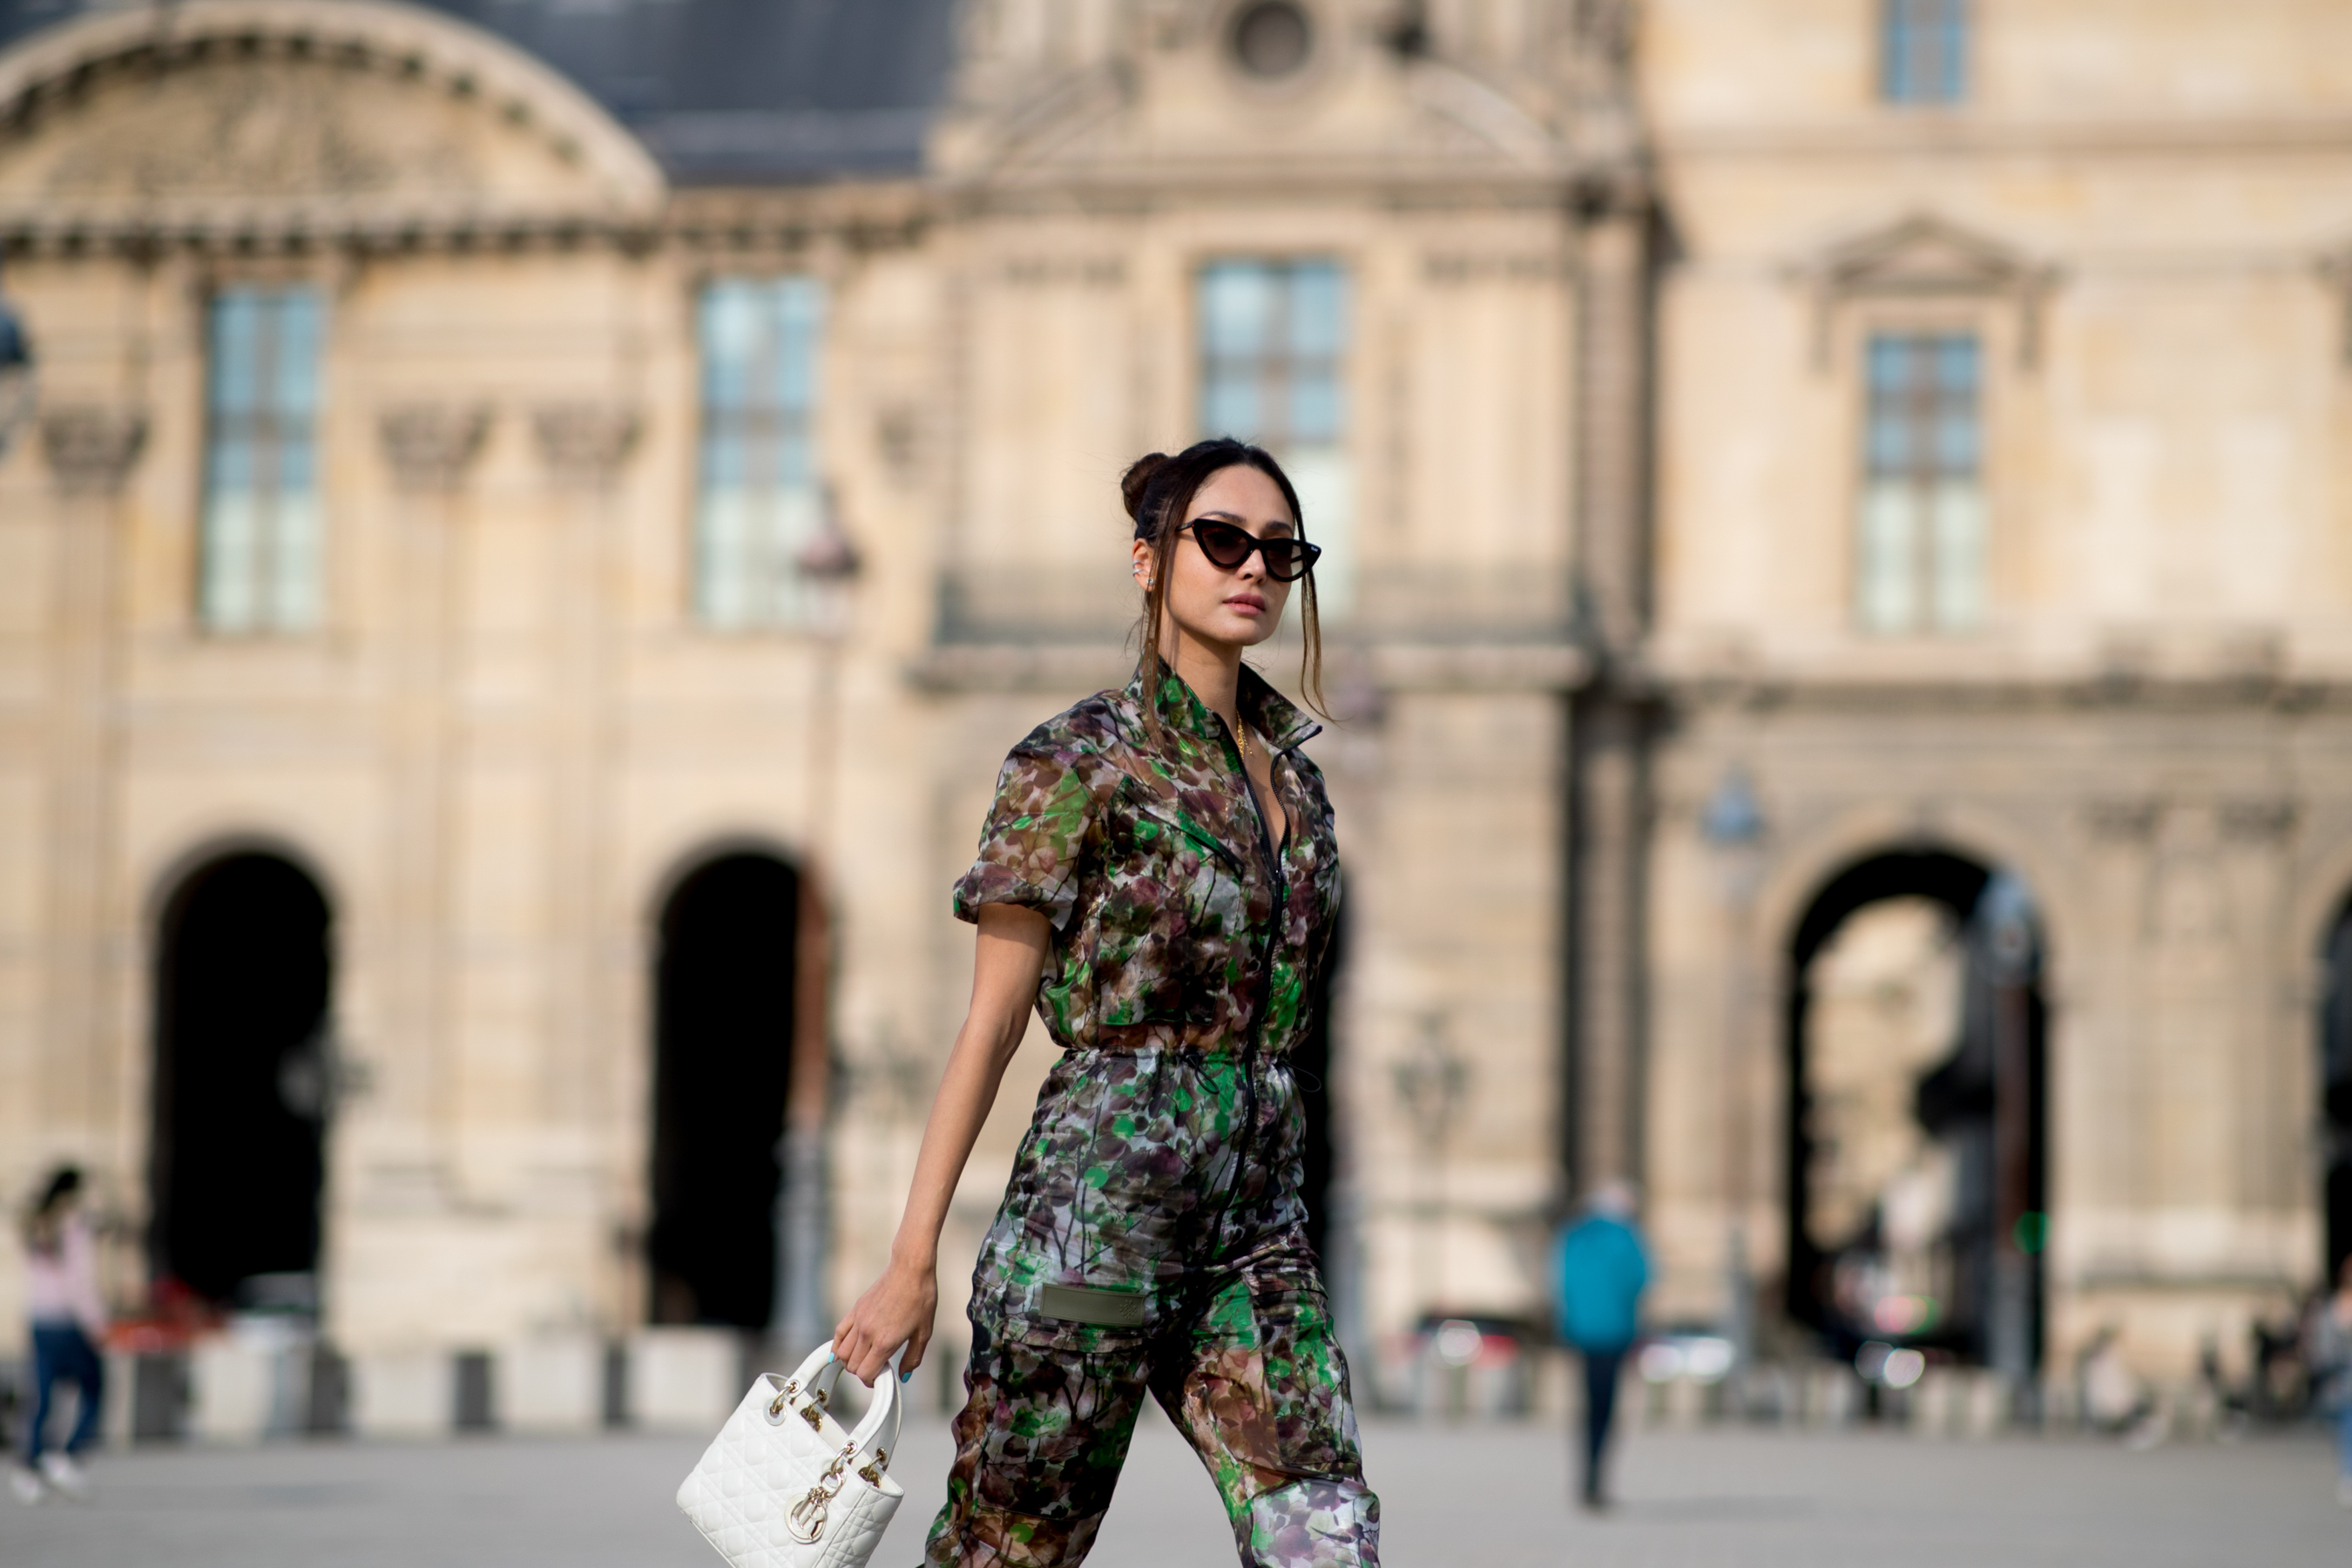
{"type": "Point", "coordinates": [808, 1514]}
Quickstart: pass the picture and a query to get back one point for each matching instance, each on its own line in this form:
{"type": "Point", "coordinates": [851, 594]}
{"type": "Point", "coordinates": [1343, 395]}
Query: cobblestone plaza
{"type": "Point", "coordinates": [1493, 1495]}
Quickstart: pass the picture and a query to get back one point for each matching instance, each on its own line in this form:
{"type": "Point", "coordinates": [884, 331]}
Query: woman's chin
{"type": "Point", "coordinates": [1236, 631]}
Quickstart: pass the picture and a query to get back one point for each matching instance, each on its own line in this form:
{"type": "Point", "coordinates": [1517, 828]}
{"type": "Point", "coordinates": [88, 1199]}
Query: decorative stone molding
{"type": "Point", "coordinates": [2257, 821]}
{"type": "Point", "coordinates": [2123, 821]}
{"type": "Point", "coordinates": [1925, 257]}
{"type": "Point", "coordinates": [2336, 273]}
{"type": "Point", "coordinates": [585, 443]}
{"type": "Point", "coordinates": [92, 449]}
{"type": "Point", "coordinates": [140, 49]}
{"type": "Point", "coordinates": [430, 446]}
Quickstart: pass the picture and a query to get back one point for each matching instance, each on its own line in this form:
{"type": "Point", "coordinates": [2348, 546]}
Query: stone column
{"type": "Point", "coordinates": [584, 450]}
{"type": "Point", "coordinates": [430, 449]}
{"type": "Point", "coordinates": [1612, 722]}
{"type": "Point", "coordinates": [92, 452]}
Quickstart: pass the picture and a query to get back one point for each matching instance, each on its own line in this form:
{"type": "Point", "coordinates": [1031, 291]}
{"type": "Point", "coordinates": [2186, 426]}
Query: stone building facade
{"type": "Point", "coordinates": [541, 526]}
{"type": "Point", "coordinates": [2000, 527]}
{"type": "Point", "coordinates": [559, 590]}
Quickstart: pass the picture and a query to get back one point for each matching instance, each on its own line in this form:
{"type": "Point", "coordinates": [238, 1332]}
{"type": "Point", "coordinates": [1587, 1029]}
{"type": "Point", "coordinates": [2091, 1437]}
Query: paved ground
{"type": "Point", "coordinates": [1489, 1496]}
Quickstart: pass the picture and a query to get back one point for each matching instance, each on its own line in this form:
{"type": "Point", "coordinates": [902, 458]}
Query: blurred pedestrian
{"type": "Point", "coordinates": [67, 1322]}
{"type": "Point", "coordinates": [1604, 1267]}
{"type": "Point", "coordinates": [2331, 1367]}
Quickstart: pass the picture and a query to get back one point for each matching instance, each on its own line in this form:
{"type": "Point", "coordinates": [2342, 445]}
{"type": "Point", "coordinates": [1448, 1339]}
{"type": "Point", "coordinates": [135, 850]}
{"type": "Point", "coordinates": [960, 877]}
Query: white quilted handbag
{"type": "Point", "coordinates": [782, 1486]}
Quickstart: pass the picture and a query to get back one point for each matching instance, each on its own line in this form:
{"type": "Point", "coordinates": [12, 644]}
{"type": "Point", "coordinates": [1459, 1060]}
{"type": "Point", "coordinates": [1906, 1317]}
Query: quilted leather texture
{"type": "Point", "coordinates": [740, 1495]}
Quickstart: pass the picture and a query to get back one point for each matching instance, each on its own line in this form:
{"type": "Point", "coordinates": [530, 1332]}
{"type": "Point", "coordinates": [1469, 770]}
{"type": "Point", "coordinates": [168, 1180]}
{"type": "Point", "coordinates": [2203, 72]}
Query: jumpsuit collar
{"type": "Point", "coordinates": [1263, 708]}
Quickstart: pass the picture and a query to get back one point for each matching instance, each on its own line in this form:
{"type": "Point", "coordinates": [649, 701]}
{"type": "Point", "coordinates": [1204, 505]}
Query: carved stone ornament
{"type": "Point", "coordinates": [430, 446]}
{"type": "Point", "coordinates": [254, 120]}
{"type": "Point", "coordinates": [92, 449]}
{"type": "Point", "coordinates": [2257, 820]}
{"type": "Point", "coordinates": [585, 443]}
{"type": "Point", "coordinates": [2123, 821]}
{"type": "Point", "coordinates": [1925, 257]}
{"type": "Point", "coordinates": [2336, 271]}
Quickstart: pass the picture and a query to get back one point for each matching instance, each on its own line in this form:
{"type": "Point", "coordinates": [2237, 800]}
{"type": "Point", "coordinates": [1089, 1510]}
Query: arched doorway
{"type": "Point", "coordinates": [2335, 1090]}
{"type": "Point", "coordinates": [1918, 1157]}
{"type": "Point", "coordinates": [727, 983]}
{"type": "Point", "coordinates": [243, 985]}
{"type": "Point", "coordinates": [1310, 1061]}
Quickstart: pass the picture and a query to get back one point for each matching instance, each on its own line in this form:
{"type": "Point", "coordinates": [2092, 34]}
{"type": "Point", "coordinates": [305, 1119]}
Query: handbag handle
{"type": "Point", "coordinates": [822, 1365]}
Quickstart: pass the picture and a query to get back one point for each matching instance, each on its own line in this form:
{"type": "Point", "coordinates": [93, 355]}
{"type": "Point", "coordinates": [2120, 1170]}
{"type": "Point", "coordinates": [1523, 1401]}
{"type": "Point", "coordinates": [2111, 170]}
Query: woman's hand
{"type": "Point", "coordinates": [897, 1311]}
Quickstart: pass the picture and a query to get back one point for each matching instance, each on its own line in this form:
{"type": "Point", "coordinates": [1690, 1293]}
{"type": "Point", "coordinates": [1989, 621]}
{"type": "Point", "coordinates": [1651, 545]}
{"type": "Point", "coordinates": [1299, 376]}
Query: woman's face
{"type": "Point", "coordinates": [1236, 608]}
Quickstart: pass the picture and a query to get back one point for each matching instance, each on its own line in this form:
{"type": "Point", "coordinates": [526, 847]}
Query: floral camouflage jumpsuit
{"type": "Point", "coordinates": [1152, 1235]}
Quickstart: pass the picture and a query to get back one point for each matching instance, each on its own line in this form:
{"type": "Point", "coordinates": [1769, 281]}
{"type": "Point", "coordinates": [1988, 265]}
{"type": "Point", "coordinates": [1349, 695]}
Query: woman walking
{"type": "Point", "coordinates": [61, 1291]}
{"type": "Point", "coordinates": [1158, 879]}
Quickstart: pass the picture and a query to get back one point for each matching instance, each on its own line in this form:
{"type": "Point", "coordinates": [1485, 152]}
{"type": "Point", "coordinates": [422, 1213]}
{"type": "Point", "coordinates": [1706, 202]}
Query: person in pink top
{"type": "Point", "coordinates": [68, 1319]}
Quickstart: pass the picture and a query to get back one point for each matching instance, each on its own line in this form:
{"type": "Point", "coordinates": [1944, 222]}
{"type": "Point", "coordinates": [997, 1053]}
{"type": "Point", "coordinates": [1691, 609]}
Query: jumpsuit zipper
{"type": "Point", "coordinates": [1265, 956]}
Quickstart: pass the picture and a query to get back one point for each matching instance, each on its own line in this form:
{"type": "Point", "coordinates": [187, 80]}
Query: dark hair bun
{"type": "Point", "coordinates": [1135, 483]}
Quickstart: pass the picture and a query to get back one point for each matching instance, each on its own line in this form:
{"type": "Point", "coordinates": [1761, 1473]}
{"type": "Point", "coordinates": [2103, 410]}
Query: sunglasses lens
{"type": "Point", "coordinates": [1287, 560]}
{"type": "Point", "coordinates": [1222, 542]}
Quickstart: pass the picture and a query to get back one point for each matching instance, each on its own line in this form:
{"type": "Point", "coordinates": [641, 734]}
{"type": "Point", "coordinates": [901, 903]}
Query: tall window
{"type": "Point", "coordinates": [759, 501]}
{"type": "Point", "coordinates": [1274, 340]}
{"type": "Point", "coordinates": [1921, 563]}
{"type": "Point", "coordinates": [1923, 50]}
{"type": "Point", "coordinates": [259, 568]}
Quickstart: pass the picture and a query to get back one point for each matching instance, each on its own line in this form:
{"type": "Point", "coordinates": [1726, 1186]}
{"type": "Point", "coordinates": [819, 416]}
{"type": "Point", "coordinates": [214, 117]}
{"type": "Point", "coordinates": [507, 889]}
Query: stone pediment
{"type": "Point", "coordinates": [313, 116]}
{"type": "Point", "coordinates": [1924, 256]}
{"type": "Point", "coordinates": [1166, 103]}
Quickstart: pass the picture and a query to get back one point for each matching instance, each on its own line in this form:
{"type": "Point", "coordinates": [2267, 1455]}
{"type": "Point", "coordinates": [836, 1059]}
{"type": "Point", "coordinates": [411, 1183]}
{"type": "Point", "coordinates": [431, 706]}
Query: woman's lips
{"type": "Point", "coordinates": [1250, 603]}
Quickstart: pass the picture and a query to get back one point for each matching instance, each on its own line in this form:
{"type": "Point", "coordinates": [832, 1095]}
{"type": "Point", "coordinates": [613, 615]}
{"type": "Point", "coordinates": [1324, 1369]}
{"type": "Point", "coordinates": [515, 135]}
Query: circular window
{"type": "Point", "coordinates": [1271, 38]}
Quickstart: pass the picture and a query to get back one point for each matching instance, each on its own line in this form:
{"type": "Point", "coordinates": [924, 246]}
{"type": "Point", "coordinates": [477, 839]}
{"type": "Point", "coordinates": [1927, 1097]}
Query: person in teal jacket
{"type": "Point", "coordinates": [1604, 1267]}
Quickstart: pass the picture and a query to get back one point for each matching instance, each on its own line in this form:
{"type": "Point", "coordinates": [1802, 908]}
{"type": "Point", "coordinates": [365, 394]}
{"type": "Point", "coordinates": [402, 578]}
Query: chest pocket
{"type": "Point", "coordinates": [1172, 909]}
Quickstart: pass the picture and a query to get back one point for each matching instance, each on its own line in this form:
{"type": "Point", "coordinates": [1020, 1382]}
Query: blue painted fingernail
{"type": "Point", "coordinates": [906, 1375]}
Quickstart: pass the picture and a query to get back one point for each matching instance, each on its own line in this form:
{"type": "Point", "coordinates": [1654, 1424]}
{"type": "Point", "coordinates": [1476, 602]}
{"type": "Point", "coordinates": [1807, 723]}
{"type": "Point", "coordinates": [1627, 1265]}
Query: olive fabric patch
{"type": "Point", "coordinates": [1086, 1304]}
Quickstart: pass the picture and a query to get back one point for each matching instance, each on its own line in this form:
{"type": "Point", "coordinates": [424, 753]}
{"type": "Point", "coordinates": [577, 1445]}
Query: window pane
{"type": "Point", "coordinates": [1920, 537]}
{"type": "Point", "coordinates": [294, 562]}
{"type": "Point", "coordinates": [1885, 576]}
{"type": "Point", "coordinates": [1273, 337]}
{"type": "Point", "coordinates": [1237, 307]}
{"type": "Point", "coordinates": [1314, 408]}
{"type": "Point", "coordinates": [294, 365]}
{"type": "Point", "coordinates": [260, 554]}
{"type": "Point", "coordinates": [1956, 511]}
{"type": "Point", "coordinates": [1317, 310]}
{"type": "Point", "coordinates": [227, 583]}
{"type": "Point", "coordinates": [1229, 405]}
{"type": "Point", "coordinates": [1325, 490]}
{"type": "Point", "coordinates": [758, 497]}
{"type": "Point", "coordinates": [1923, 50]}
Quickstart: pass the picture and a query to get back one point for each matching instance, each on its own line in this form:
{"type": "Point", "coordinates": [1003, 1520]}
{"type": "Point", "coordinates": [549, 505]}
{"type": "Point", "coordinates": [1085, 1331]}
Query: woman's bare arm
{"type": "Point", "coordinates": [898, 1309]}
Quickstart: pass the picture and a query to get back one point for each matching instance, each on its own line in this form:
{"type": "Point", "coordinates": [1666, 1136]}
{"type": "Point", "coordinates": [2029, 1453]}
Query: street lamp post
{"type": "Point", "coordinates": [828, 565]}
{"type": "Point", "coordinates": [16, 376]}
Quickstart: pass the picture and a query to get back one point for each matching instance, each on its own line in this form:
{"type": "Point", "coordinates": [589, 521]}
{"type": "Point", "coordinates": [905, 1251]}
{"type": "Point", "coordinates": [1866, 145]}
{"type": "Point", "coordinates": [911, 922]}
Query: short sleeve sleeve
{"type": "Point", "coordinates": [1030, 849]}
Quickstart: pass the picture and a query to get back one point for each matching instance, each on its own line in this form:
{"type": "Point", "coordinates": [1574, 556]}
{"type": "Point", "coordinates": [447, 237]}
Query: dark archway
{"type": "Point", "coordinates": [726, 986]}
{"type": "Point", "coordinates": [2335, 1090]}
{"type": "Point", "coordinates": [243, 983]}
{"type": "Point", "coordinates": [1311, 1060]}
{"type": "Point", "coordinates": [1996, 1135]}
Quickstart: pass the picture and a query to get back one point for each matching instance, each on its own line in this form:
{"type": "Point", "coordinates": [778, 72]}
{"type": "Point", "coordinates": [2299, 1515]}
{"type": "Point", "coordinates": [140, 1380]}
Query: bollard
{"type": "Point", "coordinates": [683, 1380]}
{"type": "Point", "coordinates": [551, 1383]}
{"type": "Point", "coordinates": [403, 1394]}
